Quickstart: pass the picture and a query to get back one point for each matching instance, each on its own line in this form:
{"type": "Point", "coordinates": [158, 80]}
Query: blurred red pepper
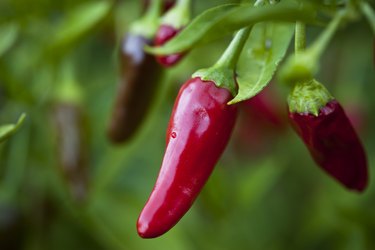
{"type": "Point", "coordinates": [333, 144]}
{"type": "Point", "coordinates": [261, 120]}
{"type": "Point", "coordinates": [139, 80]}
{"type": "Point", "coordinates": [198, 132]}
{"type": "Point", "coordinates": [172, 23]}
{"type": "Point", "coordinates": [163, 35]}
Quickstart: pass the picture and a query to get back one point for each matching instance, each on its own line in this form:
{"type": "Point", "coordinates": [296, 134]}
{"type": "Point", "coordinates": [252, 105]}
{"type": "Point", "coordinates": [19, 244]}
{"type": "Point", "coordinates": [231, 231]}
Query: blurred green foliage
{"type": "Point", "coordinates": [274, 199]}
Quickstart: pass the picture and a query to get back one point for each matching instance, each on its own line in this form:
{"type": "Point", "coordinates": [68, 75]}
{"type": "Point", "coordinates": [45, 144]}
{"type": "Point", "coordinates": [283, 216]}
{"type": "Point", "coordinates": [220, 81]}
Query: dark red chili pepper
{"type": "Point", "coordinates": [198, 132]}
{"type": "Point", "coordinates": [140, 75]}
{"type": "Point", "coordinates": [333, 144]}
{"type": "Point", "coordinates": [163, 35]}
{"type": "Point", "coordinates": [72, 145]}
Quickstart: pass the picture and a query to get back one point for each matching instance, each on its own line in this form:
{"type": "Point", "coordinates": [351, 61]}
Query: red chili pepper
{"type": "Point", "coordinates": [198, 132]}
{"type": "Point", "coordinates": [333, 144]}
{"type": "Point", "coordinates": [140, 76]}
{"type": "Point", "coordinates": [163, 35]}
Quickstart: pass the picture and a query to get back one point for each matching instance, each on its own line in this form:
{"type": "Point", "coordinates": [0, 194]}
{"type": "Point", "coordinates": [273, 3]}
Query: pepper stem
{"type": "Point", "coordinates": [230, 56]}
{"type": "Point", "coordinates": [369, 13]}
{"type": "Point", "coordinates": [321, 43]}
{"type": "Point", "coordinates": [148, 24]}
{"type": "Point", "coordinates": [179, 15]}
{"type": "Point", "coordinates": [300, 37]}
{"type": "Point", "coordinates": [68, 89]}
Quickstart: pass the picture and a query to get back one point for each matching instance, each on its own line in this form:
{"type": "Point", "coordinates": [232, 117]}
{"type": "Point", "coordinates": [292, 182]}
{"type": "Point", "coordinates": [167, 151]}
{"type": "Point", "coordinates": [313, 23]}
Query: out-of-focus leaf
{"type": "Point", "coordinates": [8, 35]}
{"type": "Point", "coordinates": [263, 52]}
{"type": "Point", "coordinates": [254, 185]}
{"type": "Point", "coordinates": [9, 129]}
{"type": "Point", "coordinates": [79, 21]}
{"type": "Point", "coordinates": [233, 19]}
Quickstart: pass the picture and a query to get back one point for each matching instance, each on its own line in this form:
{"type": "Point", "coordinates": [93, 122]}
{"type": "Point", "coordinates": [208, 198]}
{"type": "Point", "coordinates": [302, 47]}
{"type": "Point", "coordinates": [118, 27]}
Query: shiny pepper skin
{"type": "Point", "coordinates": [333, 144]}
{"type": "Point", "coordinates": [140, 75]}
{"type": "Point", "coordinates": [198, 132]}
{"type": "Point", "coordinates": [163, 35]}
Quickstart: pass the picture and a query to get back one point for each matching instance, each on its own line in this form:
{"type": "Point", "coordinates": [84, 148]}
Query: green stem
{"type": "Point", "coordinates": [369, 13]}
{"type": "Point", "coordinates": [300, 37]}
{"type": "Point", "coordinates": [321, 43]}
{"type": "Point", "coordinates": [179, 15]}
{"type": "Point", "coordinates": [147, 25]}
{"type": "Point", "coordinates": [68, 90]}
{"type": "Point", "coordinates": [232, 53]}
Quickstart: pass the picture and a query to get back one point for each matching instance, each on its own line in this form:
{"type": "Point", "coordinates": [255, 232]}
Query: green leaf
{"type": "Point", "coordinates": [224, 20]}
{"type": "Point", "coordinates": [189, 36]}
{"type": "Point", "coordinates": [266, 47]}
{"type": "Point", "coordinates": [8, 130]}
{"type": "Point", "coordinates": [79, 21]}
{"type": "Point", "coordinates": [8, 35]}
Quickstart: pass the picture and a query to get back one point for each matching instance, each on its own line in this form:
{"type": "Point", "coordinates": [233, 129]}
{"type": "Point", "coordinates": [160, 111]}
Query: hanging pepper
{"type": "Point", "coordinates": [139, 79]}
{"type": "Point", "coordinates": [72, 144]}
{"type": "Point", "coordinates": [198, 132]}
{"type": "Point", "coordinates": [199, 129]}
{"type": "Point", "coordinates": [172, 23]}
{"type": "Point", "coordinates": [328, 134]}
{"type": "Point", "coordinates": [69, 120]}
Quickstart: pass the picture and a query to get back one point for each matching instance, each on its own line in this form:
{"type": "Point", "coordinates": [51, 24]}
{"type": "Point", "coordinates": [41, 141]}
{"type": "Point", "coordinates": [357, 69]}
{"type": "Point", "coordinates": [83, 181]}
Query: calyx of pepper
{"type": "Point", "coordinates": [308, 97]}
{"type": "Point", "coordinates": [222, 76]}
{"type": "Point", "coordinates": [300, 67]}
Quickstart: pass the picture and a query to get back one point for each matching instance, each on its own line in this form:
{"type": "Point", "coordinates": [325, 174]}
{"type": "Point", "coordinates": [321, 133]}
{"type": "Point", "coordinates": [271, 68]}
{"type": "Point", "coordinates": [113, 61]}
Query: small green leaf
{"type": "Point", "coordinates": [8, 35]}
{"type": "Point", "coordinates": [8, 130]}
{"type": "Point", "coordinates": [262, 54]}
{"type": "Point", "coordinates": [224, 20]}
{"type": "Point", "coordinates": [79, 21]}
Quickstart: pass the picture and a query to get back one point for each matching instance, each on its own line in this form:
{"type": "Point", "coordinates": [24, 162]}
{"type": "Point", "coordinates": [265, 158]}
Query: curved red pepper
{"type": "Point", "coordinates": [333, 144]}
{"type": "Point", "coordinates": [163, 35]}
{"type": "Point", "coordinates": [198, 132]}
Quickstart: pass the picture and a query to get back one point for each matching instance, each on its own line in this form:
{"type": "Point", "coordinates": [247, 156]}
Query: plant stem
{"type": "Point", "coordinates": [321, 43]}
{"type": "Point", "coordinates": [148, 24]}
{"type": "Point", "coordinates": [179, 15]}
{"type": "Point", "coordinates": [300, 37]}
{"type": "Point", "coordinates": [232, 53]}
{"type": "Point", "coordinates": [369, 13]}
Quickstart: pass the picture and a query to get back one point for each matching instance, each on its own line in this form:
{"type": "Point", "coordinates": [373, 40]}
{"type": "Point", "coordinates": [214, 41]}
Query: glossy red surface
{"type": "Point", "coordinates": [334, 144]}
{"type": "Point", "coordinates": [198, 132]}
{"type": "Point", "coordinates": [163, 35]}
